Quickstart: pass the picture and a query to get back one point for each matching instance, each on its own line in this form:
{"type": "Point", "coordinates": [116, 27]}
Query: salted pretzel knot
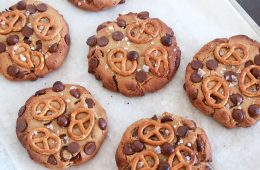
{"type": "Point", "coordinates": [140, 163]}
{"type": "Point", "coordinates": [118, 62]}
{"type": "Point", "coordinates": [48, 108]}
{"type": "Point", "coordinates": [45, 27]}
{"type": "Point", "coordinates": [184, 163]}
{"type": "Point", "coordinates": [216, 90]}
{"type": "Point", "coordinates": [247, 81]}
{"type": "Point", "coordinates": [226, 58]}
{"type": "Point", "coordinates": [149, 129]}
{"type": "Point", "coordinates": [80, 127]}
{"type": "Point", "coordinates": [143, 32]}
{"type": "Point", "coordinates": [12, 21]}
{"type": "Point", "coordinates": [156, 57]}
{"type": "Point", "coordinates": [49, 142]}
{"type": "Point", "coordinates": [22, 55]}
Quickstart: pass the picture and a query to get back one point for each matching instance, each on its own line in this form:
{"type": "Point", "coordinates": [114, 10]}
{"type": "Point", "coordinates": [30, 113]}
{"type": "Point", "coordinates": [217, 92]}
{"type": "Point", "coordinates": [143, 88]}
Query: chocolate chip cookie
{"type": "Point", "coordinates": [61, 126]}
{"type": "Point", "coordinates": [34, 40]}
{"type": "Point", "coordinates": [134, 54]}
{"type": "Point", "coordinates": [223, 81]}
{"type": "Point", "coordinates": [96, 5]}
{"type": "Point", "coordinates": [164, 142]}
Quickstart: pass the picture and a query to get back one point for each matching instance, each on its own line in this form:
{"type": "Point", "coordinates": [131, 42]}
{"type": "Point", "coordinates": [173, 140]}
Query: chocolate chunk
{"type": "Point", "coordinates": [21, 5]}
{"type": "Point", "coordinates": [73, 147]}
{"type": "Point", "coordinates": [196, 64]}
{"type": "Point", "coordinates": [128, 149]}
{"type": "Point", "coordinates": [102, 123]}
{"type": "Point", "coordinates": [27, 31]}
{"type": "Point", "coordinates": [137, 146]}
{"type": "Point", "coordinates": [143, 15]}
{"type": "Point", "coordinates": [249, 63]}
{"type": "Point", "coordinates": [21, 111]}
{"type": "Point", "coordinates": [27, 40]}
{"type": "Point", "coordinates": [100, 27]}
{"type": "Point", "coordinates": [13, 70]}
{"type": "Point", "coordinates": [117, 35]}
{"type": "Point", "coordinates": [212, 64]}
{"type": "Point", "coordinates": [21, 125]}
{"type": "Point", "coordinates": [92, 41]}
{"type": "Point", "coordinates": [256, 73]}
{"type": "Point", "coordinates": [67, 39]}
{"type": "Point", "coordinates": [90, 148]}
{"type": "Point", "coordinates": [90, 102]}
{"type": "Point", "coordinates": [164, 166]}
{"type": "Point", "coordinates": [141, 76]}
{"type": "Point", "coordinates": [76, 159]}
{"type": "Point", "coordinates": [200, 145]}
{"type": "Point", "coordinates": [12, 40]}
{"type": "Point", "coordinates": [40, 92]}
{"type": "Point", "coordinates": [31, 8]}
{"type": "Point", "coordinates": [167, 149]}
{"type": "Point", "coordinates": [42, 7]}
{"type": "Point", "coordinates": [52, 160]}
{"type": "Point", "coordinates": [2, 47]}
{"type": "Point", "coordinates": [230, 76]}
{"type": "Point", "coordinates": [166, 118]}
{"type": "Point", "coordinates": [53, 48]}
{"type": "Point", "coordinates": [195, 77]}
{"type": "Point", "coordinates": [38, 45]}
{"type": "Point", "coordinates": [75, 93]}
{"type": "Point", "coordinates": [182, 131]}
{"type": "Point", "coordinates": [132, 55]}
{"type": "Point", "coordinates": [102, 41]}
{"type": "Point", "coordinates": [238, 115]}
{"type": "Point", "coordinates": [58, 86]}
{"type": "Point", "coordinates": [237, 99]}
{"type": "Point", "coordinates": [254, 110]}
{"type": "Point", "coordinates": [63, 121]}
{"type": "Point", "coordinates": [257, 60]}
{"type": "Point", "coordinates": [93, 63]}
{"type": "Point", "coordinates": [121, 23]}
{"type": "Point", "coordinates": [166, 41]}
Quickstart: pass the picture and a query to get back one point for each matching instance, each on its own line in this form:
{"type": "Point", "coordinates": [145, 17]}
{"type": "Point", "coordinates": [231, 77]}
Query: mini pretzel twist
{"type": "Point", "coordinates": [82, 131]}
{"type": "Point", "coordinates": [48, 111]}
{"type": "Point", "coordinates": [149, 29]}
{"type": "Point", "coordinates": [183, 163]}
{"type": "Point", "coordinates": [244, 86]}
{"type": "Point", "coordinates": [45, 27]}
{"type": "Point", "coordinates": [22, 55]}
{"type": "Point", "coordinates": [149, 129]}
{"type": "Point", "coordinates": [140, 158]}
{"type": "Point", "coordinates": [214, 91]}
{"type": "Point", "coordinates": [46, 139]}
{"type": "Point", "coordinates": [119, 56]}
{"type": "Point", "coordinates": [231, 53]}
{"type": "Point", "coordinates": [159, 56]}
{"type": "Point", "coordinates": [12, 21]}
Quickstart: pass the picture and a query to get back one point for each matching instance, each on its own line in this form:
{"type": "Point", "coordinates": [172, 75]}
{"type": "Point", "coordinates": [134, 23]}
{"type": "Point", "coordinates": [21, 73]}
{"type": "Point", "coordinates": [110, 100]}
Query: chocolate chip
{"type": "Point", "coordinates": [42, 7]}
{"type": "Point", "coordinates": [166, 118]}
{"type": "Point", "coordinates": [21, 5]}
{"type": "Point", "coordinates": [75, 93]}
{"type": "Point", "coordinates": [200, 145]}
{"type": "Point", "coordinates": [212, 64]}
{"type": "Point", "coordinates": [182, 131]}
{"type": "Point", "coordinates": [76, 159]}
{"type": "Point", "coordinates": [128, 149]}
{"type": "Point", "coordinates": [13, 70]}
{"type": "Point", "coordinates": [121, 23]}
{"type": "Point", "coordinates": [249, 63]}
{"type": "Point", "coordinates": [21, 125]}
{"type": "Point", "coordinates": [27, 31]}
{"type": "Point", "coordinates": [73, 147]}
{"type": "Point", "coordinates": [141, 76]}
{"type": "Point", "coordinates": [2, 47]}
{"type": "Point", "coordinates": [102, 123]}
{"type": "Point", "coordinates": [117, 35]}
{"type": "Point", "coordinates": [238, 115]}
{"type": "Point", "coordinates": [92, 41]}
{"type": "Point", "coordinates": [12, 40]}
{"type": "Point", "coordinates": [27, 40]}
{"type": "Point", "coordinates": [90, 148]}
{"type": "Point", "coordinates": [93, 63]}
{"type": "Point", "coordinates": [254, 110]}
{"type": "Point", "coordinates": [257, 60]}
{"type": "Point", "coordinates": [167, 149]}
{"type": "Point", "coordinates": [237, 99]}
{"type": "Point", "coordinates": [100, 27]}
{"type": "Point", "coordinates": [53, 48]}
{"type": "Point", "coordinates": [65, 155]}
{"type": "Point", "coordinates": [31, 8]}
{"type": "Point", "coordinates": [193, 94]}
{"type": "Point", "coordinates": [256, 73]}
{"type": "Point", "coordinates": [38, 45]}
{"type": "Point", "coordinates": [137, 146]}
{"type": "Point", "coordinates": [63, 121]}
{"type": "Point", "coordinates": [166, 41]}
{"type": "Point", "coordinates": [58, 86]}
{"type": "Point", "coordinates": [132, 55]}
{"type": "Point", "coordinates": [52, 160]}
{"type": "Point", "coordinates": [164, 166]}
{"type": "Point", "coordinates": [143, 15]}
{"type": "Point", "coordinates": [40, 92]}
{"type": "Point", "coordinates": [121, 2]}
{"type": "Point", "coordinates": [102, 41]}
{"type": "Point", "coordinates": [196, 64]}
{"type": "Point", "coordinates": [230, 76]}
{"type": "Point", "coordinates": [154, 117]}
{"type": "Point", "coordinates": [195, 77]}
{"type": "Point", "coordinates": [90, 102]}
{"type": "Point", "coordinates": [21, 111]}
{"type": "Point", "coordinates": [67, 39]}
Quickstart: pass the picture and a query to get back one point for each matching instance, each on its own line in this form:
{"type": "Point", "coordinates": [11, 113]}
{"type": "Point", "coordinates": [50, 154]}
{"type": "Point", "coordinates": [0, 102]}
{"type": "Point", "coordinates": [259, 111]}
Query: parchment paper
{"type": "Point", "coordinates": [195, 23]}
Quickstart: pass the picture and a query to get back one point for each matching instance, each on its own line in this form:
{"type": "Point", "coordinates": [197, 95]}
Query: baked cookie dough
{"type": "Point", "coordinates": [96, 5]}
{"type": "Point", "coordinates": [163, 143]}
{"type": "Point", "coordinates": [134, 54]}
{"type": "Point", "coordinates": [61, 126]}
{"type": "Point", "coordinates": [34, 40]}
{"type": "Point", "coordinates": [223, 81]}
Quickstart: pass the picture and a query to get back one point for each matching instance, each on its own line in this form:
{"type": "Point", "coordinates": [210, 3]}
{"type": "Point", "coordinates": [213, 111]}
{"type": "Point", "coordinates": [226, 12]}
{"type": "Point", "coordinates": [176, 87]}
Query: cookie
{"type": "Point", "coordinates": [34, 40]}
{"type": "Point", "coordinates": [61, 126]}
{"type": "Point", "coordinates": [223, 81]}
{"type": "Point", "coordinates": [163, 143]}
{"type": "Point", "coordinates": [134, 54]}
{"type": "Point", "coordinates": [96, 5]}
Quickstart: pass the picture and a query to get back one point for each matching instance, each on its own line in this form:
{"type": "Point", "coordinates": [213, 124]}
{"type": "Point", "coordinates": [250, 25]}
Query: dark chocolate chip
{"type": "Point", "coordinates": [200, 146]}
{"type": "Point", "coordinates": [102, 123]}
{"type": "Point", "coordinates": [166, 118]}
{"type": "Point", "coordinates": [21, 5]}
{"type": "Point", "coordinates": [63, 121]}
{"type": "Point", "coordinates": [143, 15]}
{"type": "Point", "coordinates": [230, 76]}
{"type": "Point", "coordinates": [93, 63]}
{"type": "Point", "coordinates": [21, 111]}
{"type": "Point", "coordinates": [117, 35]}
{"type": "Point", "coordinates": [38, 45]}
{"type": "Point", "coordinates": [21, 74]}
{"type": "Point", "coordinates": [90, 148]}
{"type": "Point", "coordinates": [13, 70]}
{"type": "Point", "coordinates": [21, 125]}
{"type": "Point", "coordinates": [141, 76]}
{"type": "Point", "coordinates": [67, 39]}
{"type": "Point", "coordinates": [254, 110]}
{"type": "Point", "coordinates": [154, 117]}
{"type": "Point", "coordinates": [236, 98]}
{"type": "Point", "coordinates": [53, 48]}
{"type": "Point", "coordinates": [12, 40]}
{"type": "Point", "coordinates": [257, 60]}
{"type": "Point", "coordinates": [164, 166]}
{"type": "Point", "coordinates": [102, 41]}
{"type": "Point", "coordinates": [40, 92]}
{"type": "Point", "coordinates": [167, 149]}
{"type": "Point", "coordinates": [249, 63]}
{"type": "Point", "coordinates": [195, 77]}
{"type": "Point", "coordinates": [238, 115]}
{"type": "Point", "coordinates": [2, 47]}
{"type": "Point", "coordinates": [27, 40]}
{"type": "Point", "coordinates": [73, 147]}
{"type": "Point", "coordinates": [75, 93]}
{"type": "Point", "coordinates": [58, 86]}
{"type": "Point", "coordinates": [256, 73]}
{"type": "Point", "coordinates": [128, 149]}
{"type": "Point", "coordinates": [121, 2]}
{"type": "Point", "coordinates": [193, 94]}
{"type": "Point", "coordinates": [196, 64]}
{"type": "Point", "coordinates": [92, 41]}
{"type": "Point", "coordinates": [52, 160]}
{"type": "Point", "coordinates": [212, 64]}
{"type": "Point", "coordinates": [90, 102]}
{"type": "Point", "coordinates": [132, 55]}
{"type": "Point", "coordinates": [31, 8]}
{"type": "Point", "coordinates": [166, 41]}
{"type": "Point", "coordinates": [65, 155]}
{"type": "Point", "coordinates": [137, 146]}
{"type": "Point", "coordinates": [121, 23]}
{"type": "Point", "coordinates": [42, 7]}
{"type": "Point", "coordinates": [100, 27]}
{"type": "Point", "coordinates": [182, 131]}
{"type": "Point", "coordinates": [27, 31]}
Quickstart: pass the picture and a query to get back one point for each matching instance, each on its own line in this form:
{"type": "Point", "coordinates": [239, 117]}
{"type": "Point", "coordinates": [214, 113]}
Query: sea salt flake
{"type": "Point", "coordinates": [29, 25]}
{"type": "Point", "coordinates": [146, 68]}
{"type": "Point", "coordinates": [35, 133]}
{"type": "Point", "coordinates": [50, 126]}
{"type": "Point", "coordinates": [106, 66]}
{"type": "Point", "coordinates": [111, 28]}
{"type": "Point", "coordinates": [157, 149]}
{"type": "Point", "coordinates": [180, 141]}
{"type": "Point", "coordinates": [189, 144]}
{"type": "Point", "coordinates": [140, 165]}
{"type": "Point", "coordinates": [68, 100]}
{"type": "Point", "coordinates": [188, 158]}
{"type": "Point", "coordinates": [201, 73]}
{"type": "Point", "coordinates": [38, 112]}
{"type": "Point", "coordinates": [73, 87]}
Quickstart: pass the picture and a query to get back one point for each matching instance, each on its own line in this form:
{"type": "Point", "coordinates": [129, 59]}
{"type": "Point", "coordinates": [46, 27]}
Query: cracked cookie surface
{"type": "Point", "coordinates": [133, 55]}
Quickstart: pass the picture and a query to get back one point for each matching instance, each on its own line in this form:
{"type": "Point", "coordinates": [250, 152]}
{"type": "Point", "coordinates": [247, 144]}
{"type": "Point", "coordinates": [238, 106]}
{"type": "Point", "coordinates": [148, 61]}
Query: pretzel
{"type": "Point", "coordinates": [12, 21]}
{"type": "Point", "coordinates": [156, 127]}
{"type": "Point", "coordinates": [44, 26]}
{"type": "Point", "coordinates": [119, 56]}
{"type": "Point", "coordinates": [43, 143]}
{"type": "Point", "coordinates": [231, 53]}
{"type": "Point", "coordinates": [140, 158]}
{"type": "Point", "coordinates": [80, 123]}
{"type": "Point", "coordinates": [183, 163]}
{"type": "Point", "coordinates": [158, 55]}
{"type": "Point", "coordinates": [246, 72]}
{"type": "Point", "coordinates": [142, 29]}
{"type": "Point", "coordinates": [46, 107]}
{"type": "Point", "coordinates": [22, 55]}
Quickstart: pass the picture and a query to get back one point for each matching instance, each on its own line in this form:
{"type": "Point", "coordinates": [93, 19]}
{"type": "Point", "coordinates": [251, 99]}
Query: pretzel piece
{"type": "Point", "coordinates": [140, 160]}
{"type": "Point", "coordinates": [12, 21]}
